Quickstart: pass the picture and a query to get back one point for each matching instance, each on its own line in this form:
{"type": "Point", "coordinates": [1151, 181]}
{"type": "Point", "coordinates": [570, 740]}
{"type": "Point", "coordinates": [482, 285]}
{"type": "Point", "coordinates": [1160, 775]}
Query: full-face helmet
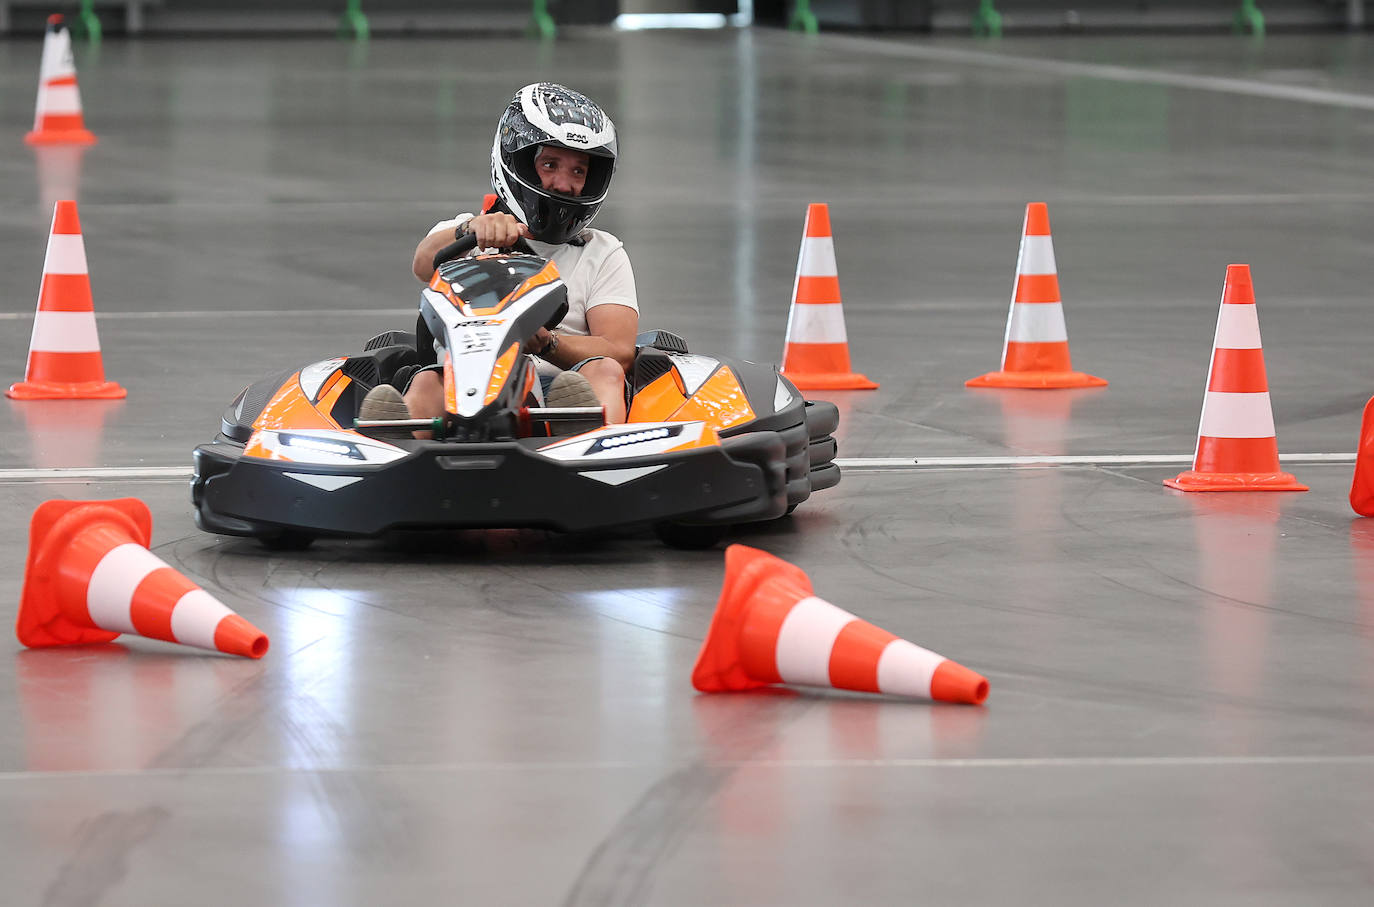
{"type": "Point", "coordinates": [546, 113]}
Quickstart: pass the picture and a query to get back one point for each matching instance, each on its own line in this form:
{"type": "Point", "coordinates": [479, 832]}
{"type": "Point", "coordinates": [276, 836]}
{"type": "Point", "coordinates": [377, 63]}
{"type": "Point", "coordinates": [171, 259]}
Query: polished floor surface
{"type": "Point", "coordinates": [1182, 706]}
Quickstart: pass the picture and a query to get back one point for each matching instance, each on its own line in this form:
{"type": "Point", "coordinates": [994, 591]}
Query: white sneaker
{"type": "Point", "coordinates": [572, 389]}
{"type": "Point", "coordinates": [383, 403]}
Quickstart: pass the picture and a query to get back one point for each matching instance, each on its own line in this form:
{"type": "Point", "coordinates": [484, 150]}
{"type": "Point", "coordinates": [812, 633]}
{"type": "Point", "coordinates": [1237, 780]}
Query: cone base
{"type": "Point", "coordinates": [832, 381]}
{"type": "Point", "coordinates": [66, 390]}
{"type": "Point", "coordinates": [1192, 480]}
{"type": "Point", "coordinates": [719, 667]}
{"type": "Point", "coordinates": [61, 137]}
{"type": "Point", "coordinates": [41, 623]}
{"type": "Point", "coordinates": [1036, 380]}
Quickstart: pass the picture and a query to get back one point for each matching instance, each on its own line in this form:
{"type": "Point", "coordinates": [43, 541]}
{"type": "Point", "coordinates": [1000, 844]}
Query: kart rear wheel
{"type": "Point", "coordinates": [690, 537]}
{"type": "Point", "coordinates": [286, 540]}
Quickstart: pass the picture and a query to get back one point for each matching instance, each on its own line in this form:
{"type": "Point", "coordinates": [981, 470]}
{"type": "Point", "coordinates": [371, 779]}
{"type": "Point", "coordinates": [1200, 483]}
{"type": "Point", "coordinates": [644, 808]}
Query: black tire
{"type": "Point", "coordinates": [689, 537]}
{"type": "Point", "coordinates": [286, 540]}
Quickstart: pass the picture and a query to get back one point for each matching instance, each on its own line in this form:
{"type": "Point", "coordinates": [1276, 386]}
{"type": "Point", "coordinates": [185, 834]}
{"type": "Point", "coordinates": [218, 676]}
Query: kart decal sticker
{"type": "Point", "coordinates": [549, 274]}
{"type": "Point", "coordinates": [327, 483]}
{"type": "Point", "coordinates": [450, 389]}
{"type": "Point", "coordinates": [720, 401]}
{"type": "Point", "coordinates": [621, 476]}
{"type": "Point", "coordinates": [313, 376]}
{"type": "Point", "coordinates": [781, 397]}
{"type": "Point", "coordinates": [500, 372]}
{"type": "Point", "coordinates": [658, 400]}
{"type": "Point", "coordinates": [291, 407]}
{"type": "Point", "coordinates": [693, 369]}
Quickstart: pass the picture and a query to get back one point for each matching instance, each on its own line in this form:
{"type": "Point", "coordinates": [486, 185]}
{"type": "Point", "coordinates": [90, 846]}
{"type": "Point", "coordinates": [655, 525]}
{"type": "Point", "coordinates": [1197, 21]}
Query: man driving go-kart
{"type": "Point", "coordinates": [489, 434]}
{"type": "Point", "coordinates": [551, 165]}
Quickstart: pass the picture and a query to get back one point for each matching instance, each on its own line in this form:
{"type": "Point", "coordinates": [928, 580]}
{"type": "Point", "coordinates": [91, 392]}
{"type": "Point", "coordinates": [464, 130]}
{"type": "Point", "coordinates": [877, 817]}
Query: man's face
{"type": "Point", "coordinates": [561, 170]}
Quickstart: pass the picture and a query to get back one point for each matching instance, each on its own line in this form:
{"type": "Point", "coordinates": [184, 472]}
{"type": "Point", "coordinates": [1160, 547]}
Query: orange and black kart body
{"type": "Point", "coordinates": [709, 442]}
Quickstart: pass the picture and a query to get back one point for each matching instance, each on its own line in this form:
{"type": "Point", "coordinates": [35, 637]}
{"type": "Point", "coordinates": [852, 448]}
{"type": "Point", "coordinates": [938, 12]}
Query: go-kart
{"type": "Point", "coordinates": [710, 442]}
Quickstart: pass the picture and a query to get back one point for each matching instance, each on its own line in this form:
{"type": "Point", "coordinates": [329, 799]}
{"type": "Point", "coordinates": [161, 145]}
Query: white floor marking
{"type": "Point", "coordinates": [1075, 762]}
{"type": "Point", "coordinates": [1111, 73]}
{"type": "Point", "coordinates": [1040, 462]}
{"type": "Point", "coordinates": [233, 313]}
{"type": "Point", "coordinates": [57, 475]}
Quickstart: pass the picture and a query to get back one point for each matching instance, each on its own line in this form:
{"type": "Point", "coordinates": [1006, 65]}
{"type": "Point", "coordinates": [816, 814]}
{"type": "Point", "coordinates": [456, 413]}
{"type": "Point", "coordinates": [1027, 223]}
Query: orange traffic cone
{"type": "Point", "coordinates": [57, 115]}
{"type": "Point", "coordinates": [1035, 352]}
{"type": "Point", "coordinates": [91, 577]}
{"type": "Point", "coordinates": [1362, 484]}
{"type": "Point", "coordinates": [817, 353]}
{"type": "Point", "coordinates": [64, 352]}
{"type": "Point", "coordinates": [1236, 446]}
{"type": "Point", "coordinates": [769, 627]}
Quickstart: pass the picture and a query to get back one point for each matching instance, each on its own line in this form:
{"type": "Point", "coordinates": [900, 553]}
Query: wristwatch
{"type": "Point", "coordinates": [550, 347]}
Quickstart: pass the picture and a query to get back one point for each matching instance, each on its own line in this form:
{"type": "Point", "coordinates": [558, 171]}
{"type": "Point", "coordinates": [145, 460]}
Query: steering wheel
{"type": "Point", "coordinates": [467, 242]}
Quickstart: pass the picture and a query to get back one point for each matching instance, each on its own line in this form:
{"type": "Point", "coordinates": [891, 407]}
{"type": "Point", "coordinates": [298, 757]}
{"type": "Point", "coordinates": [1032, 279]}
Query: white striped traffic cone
{"type": "Point", "coordinates": [64, 351]}
{"type": "Point", "coordinates": [769, 627]}
{"type": "Point", "coordinates": [1236, 446]}
{"type": "Point", "coordinates": [90, 577]}
{"type": "Point", "coordinates": [57, 118]}
{"type": "Point", "coordinates": [1362, 482]}
{"type": "Point", "coordinates": [1035, 352]}
{"type": "Point", "coordinates": [816, 356]}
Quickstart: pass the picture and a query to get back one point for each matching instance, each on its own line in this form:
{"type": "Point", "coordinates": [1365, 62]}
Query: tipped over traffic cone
{"type": "Point", "coordinates": [817, 353]}
{"type": "Point", "coordinates": [1035, 353]}
{"type": "Point", "coordinates": [57, 116]}
{"type": "Point", "coordinates": [91, 577]}
{"type": "Point", "coordinates": [1236, 446]}
{"type": "Point", "coordinates": [769, 627]}
{"type": "Point", "coordinates": [64, 351]}
{"type": "Point", "coordinates": [1362, 483]}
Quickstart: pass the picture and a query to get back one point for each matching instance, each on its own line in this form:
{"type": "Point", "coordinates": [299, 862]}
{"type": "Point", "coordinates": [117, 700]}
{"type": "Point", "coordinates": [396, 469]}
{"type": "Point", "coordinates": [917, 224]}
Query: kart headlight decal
{"type": "Point", "coordinates": [781, 397]}
{"type": "Point", "coordinates": [321, 445]}
{"type": "Point", "coordinates": [326, 448]}
{"type": "Point", "coordinates": [613, 442]}
{"type": "Point", "coordinates": [313, 376]}
{"type": "Point", "coordinates": [694, 370]}
{"type": "Point", "coordinates": [616, 442]}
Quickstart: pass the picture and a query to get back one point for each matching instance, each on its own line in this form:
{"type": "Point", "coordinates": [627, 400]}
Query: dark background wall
{"type": "Point", "coordinates": [410, 16]}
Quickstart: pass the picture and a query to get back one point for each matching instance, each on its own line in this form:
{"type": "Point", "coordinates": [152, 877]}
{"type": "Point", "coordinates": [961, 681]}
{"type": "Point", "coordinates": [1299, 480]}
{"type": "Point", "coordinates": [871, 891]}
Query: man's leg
{"type": "Point", "coordinates": [425, 398]}
{"type": "Point", "coordinates": [608, 380]}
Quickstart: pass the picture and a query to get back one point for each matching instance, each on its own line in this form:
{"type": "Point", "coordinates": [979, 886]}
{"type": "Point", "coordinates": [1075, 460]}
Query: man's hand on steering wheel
{"type": "Point", "coordinates": [497, 230]}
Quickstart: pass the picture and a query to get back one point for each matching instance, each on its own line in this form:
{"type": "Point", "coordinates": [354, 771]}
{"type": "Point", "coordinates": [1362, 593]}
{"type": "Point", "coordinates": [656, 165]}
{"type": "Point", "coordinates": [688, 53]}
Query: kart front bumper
{"type": "Point", "coordinates": [488, 485]}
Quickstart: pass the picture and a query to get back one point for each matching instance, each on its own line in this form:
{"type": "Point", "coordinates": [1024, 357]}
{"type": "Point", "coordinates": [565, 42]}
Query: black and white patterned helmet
{"type": "Point", "coordinates": [546, 113]}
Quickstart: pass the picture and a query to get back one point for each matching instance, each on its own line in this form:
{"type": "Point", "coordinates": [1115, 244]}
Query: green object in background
{"type": "Point", "coordinates": [355, 20]}
{"type": "Point", "coordinates": [1249, 18]}
{"type": "Point", "coordinates": [87, 23]}
{"type": "Point", "coordinates": [802, 18]}
{"type": "Point", "coordinates": [542, 25]}
{"type": "Point", "coordinates": [987, 21]}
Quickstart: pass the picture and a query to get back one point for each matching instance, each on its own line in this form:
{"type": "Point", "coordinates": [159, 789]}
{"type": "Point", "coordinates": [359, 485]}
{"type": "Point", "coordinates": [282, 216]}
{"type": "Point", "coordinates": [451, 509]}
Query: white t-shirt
{"type": "Point", "coordinates": [596, 273]}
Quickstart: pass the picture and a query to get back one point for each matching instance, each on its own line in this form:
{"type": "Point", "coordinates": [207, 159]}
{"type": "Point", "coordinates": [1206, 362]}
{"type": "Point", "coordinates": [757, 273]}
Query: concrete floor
{"type": "Point", "coordinates": [1182, 705]}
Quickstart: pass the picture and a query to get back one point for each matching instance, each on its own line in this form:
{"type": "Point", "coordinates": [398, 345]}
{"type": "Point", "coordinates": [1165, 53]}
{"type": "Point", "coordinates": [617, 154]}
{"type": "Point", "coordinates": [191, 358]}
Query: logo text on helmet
{"type": "Point", "coordinates": [577, 137]}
